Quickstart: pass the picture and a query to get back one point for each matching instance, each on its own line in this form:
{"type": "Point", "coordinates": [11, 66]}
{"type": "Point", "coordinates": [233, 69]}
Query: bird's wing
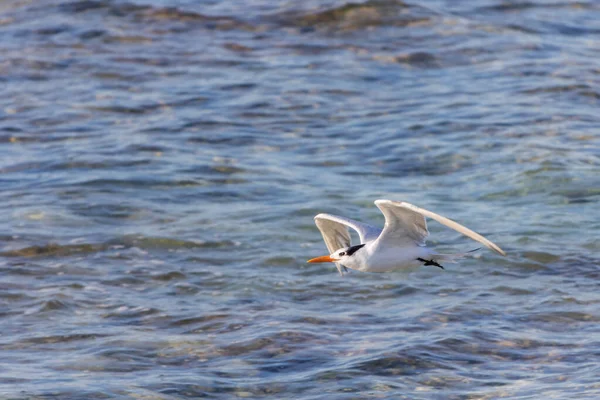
{"type": "Point", "coordinates": [404, 218]}
{"type": "Point", "coordinates": [402, 224]}
{"type": "Point", "coordinates": [336, 235]}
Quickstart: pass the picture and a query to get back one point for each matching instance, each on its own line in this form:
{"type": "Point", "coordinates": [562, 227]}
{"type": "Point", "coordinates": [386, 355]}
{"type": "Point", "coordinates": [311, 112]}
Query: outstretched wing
{"type": "Point", "coordinates": [336, 234]}
{"type": "Point", "coordinates": [402, 225]}
{"type": "Point", "coordinates": [404, 219]}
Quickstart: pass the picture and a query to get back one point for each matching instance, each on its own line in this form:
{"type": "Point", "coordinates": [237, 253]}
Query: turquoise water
{"type": "Point", "coordinates": [161, 163]}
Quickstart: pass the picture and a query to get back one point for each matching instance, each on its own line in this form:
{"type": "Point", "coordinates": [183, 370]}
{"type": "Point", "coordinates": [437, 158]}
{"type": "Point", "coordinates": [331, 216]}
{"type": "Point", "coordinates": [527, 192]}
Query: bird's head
{"type": "Point", "coordinates": [346, 256]}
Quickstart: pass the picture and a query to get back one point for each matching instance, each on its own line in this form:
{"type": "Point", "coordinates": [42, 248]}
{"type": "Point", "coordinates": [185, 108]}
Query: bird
{"type": "Point", "coordinates": [400, 245]}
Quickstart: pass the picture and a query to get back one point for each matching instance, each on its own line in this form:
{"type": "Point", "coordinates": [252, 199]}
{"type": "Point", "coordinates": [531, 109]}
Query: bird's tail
{"type": "Point", "coordinates": [451, 258]}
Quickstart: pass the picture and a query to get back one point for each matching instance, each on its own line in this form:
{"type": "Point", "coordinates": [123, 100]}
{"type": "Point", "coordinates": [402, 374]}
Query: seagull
{"type": "Point", "coordinates": [400, 245]}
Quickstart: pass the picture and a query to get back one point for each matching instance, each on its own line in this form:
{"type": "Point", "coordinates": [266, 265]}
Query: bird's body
{"type": "Point", "coordinates": [399, 245]}
{"type": "Point", "coordinates": [383, 259]}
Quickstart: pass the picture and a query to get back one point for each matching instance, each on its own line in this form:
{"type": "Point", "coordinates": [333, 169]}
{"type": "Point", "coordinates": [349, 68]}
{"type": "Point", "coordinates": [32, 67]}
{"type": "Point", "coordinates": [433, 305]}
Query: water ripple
{"type": "Point", "coordinates": [162, 162]}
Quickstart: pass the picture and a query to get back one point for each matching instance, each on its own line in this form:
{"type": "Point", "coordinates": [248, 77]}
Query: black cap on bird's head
{"type": "Point", "coordinates": [337, 255]}
{"type": "Point", "coordinates": [353, 249]}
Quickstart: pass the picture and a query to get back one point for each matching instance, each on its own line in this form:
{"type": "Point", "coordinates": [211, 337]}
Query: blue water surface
{"type": "Point", "coordinates": [161, 163]}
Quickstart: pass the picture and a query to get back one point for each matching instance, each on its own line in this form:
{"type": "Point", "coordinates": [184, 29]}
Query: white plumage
{"type": "Point", "coordinates": [399, 245]}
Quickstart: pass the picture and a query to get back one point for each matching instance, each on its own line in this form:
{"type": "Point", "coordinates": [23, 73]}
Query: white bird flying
{"type": "Point", "coordinates": [400, 245]}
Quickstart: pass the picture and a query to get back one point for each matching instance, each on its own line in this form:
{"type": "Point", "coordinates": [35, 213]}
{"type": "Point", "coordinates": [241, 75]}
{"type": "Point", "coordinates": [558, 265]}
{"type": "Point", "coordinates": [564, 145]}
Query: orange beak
{"type": "Point", "coordinates": [322, 259]}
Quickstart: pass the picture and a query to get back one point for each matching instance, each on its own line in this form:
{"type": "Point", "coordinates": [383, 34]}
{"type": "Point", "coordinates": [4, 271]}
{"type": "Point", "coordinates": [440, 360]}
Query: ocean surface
{"type": "Point", "coordinates": [161, 163]}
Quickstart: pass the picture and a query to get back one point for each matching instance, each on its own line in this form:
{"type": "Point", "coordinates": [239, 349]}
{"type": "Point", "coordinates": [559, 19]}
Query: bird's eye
{"type": "Point", "coordinates": [342, 254]}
